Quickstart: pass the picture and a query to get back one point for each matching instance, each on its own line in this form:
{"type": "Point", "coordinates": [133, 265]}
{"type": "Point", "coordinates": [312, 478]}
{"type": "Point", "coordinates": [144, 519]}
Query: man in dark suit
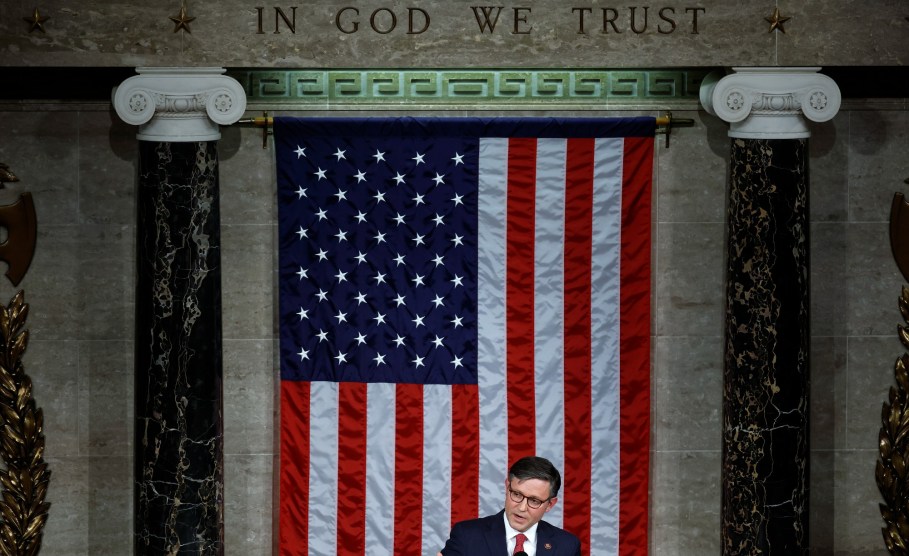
{"type": "Point", "coordinates": [530, 491]}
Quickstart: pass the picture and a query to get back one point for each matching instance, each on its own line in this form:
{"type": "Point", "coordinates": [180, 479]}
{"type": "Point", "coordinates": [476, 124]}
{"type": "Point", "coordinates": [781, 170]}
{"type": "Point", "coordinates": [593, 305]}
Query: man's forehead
{"type": "Point", "coordinates": [531, 486]}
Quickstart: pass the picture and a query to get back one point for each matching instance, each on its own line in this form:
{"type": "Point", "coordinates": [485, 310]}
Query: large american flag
{"type": "Point", "coordinates": [456, 293]}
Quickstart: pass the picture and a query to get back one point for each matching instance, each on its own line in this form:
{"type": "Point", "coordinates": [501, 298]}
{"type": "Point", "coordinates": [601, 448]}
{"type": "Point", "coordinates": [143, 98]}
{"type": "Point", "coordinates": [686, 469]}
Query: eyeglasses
{"type": "Point", "coordinates": [532, 502]}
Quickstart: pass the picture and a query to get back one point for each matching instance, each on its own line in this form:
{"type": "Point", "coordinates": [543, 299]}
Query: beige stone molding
{"type": "Point", "coordinates": [179, 104]}
{"type": "Point", "coordinates": [771, 103]}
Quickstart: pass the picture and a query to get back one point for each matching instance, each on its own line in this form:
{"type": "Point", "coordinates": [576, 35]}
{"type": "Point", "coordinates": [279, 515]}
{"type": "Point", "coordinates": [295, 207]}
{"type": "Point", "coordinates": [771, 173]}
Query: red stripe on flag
{"type": "Point", "coordinates": [351, 468]}
{"type": "Point", "coordinates": [634, 358]}
{"type": "Point", "coordinates": [294, 486]}
{"type": "Point", "coordinates": [408, 469]}
{"type": "Point", "coordinates": [577, 269]}
{"type": "Point", "coordinates": [519, 317]}
{"type": "Point", "coordinates": [465, 451]}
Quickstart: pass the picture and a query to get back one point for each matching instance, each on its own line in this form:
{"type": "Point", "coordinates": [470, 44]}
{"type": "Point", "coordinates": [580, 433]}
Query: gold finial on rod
{"type": "Point", "coordinates": [265, 122]}
{"type": "Point", "coordinates": [666, 122]}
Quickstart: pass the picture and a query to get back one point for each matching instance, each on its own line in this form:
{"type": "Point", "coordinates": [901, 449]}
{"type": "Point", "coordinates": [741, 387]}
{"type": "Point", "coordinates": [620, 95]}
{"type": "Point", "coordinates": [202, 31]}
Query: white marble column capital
{"type": "Point", "coordinates": [179, 104]}
{"type": "Point", "coordinates": [771, 102]}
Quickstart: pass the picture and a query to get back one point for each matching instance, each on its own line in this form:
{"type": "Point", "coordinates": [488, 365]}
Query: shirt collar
{"type": "Point", "coordinates": [511, 532]}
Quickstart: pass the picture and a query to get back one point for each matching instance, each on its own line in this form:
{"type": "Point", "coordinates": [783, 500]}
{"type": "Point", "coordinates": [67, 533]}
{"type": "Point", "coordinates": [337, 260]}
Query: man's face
{"type": "Point", "coordinates": [521, 515]}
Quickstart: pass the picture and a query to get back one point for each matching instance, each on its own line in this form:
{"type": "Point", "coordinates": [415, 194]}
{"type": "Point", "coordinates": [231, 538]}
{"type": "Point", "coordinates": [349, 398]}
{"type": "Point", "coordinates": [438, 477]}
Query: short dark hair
{"type": "Point", "coordinates": [533, 467]}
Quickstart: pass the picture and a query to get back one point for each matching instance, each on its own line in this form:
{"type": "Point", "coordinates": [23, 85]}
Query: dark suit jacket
{"type": "Point", "coordinates": [486, 537]}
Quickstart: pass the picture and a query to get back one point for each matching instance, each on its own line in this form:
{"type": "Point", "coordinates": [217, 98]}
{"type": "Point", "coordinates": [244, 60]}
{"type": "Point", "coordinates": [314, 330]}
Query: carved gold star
{"type": "Point", "coordinates": [37, 21]}
{"type": "Point", "coordinates": [776, 21]}
{"type": "Point", "coordinates": [182, 21]}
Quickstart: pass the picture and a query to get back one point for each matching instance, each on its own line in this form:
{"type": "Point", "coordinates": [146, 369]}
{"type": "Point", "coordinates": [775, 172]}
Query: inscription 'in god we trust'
{"type": "Point", "coordinates": [494, 19]}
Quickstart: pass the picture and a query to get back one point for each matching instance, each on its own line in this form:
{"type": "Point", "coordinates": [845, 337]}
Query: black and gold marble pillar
{"type": "Point", "coordinates": [179, 478]}
{"type": "Point", "coordinates": [766, 373]}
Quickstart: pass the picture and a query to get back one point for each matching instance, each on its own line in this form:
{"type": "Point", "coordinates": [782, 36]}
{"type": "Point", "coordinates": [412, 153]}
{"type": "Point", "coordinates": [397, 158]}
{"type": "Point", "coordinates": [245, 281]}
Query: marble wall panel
{"type": "Point", "coordinates": [89, 506]}
{"type": "Point", "coordinates": [829, 287]}
{"type": "Point", "coordinates": [105, 389]}
{"type": "Point", "coordinates": [250, 403]}
{"type": "Point", "coordinates": [53, 367]}
{"type": "Point", "coordinates": [105, 271]}
{"type": "Point", "coordinates": [124, 32]}
{"type": "Point", "coordinates": [878, 143]}
{"type": "Point", "coordinates": [857, 33]}
{"type": "Point", "coordinates": [688, 376]}
{"type": "Point", "coordinates": [872, 280]}
{"type": "Point", "coordinates": [829, 393]}
{"type": "Point", "coordinates": [52, 283]}
{"type": "Point", "coordinates": [131, 33]}
{"type": "Point", "coordinates": [869, 377]}
{"type": "Point", "coordinates": [38, 147]}
{"type": "Point", "coordinates": [821, 504]}
{"type": "Point", "coordinates": [689, 275]}
{"type": "Point", "coordinates": [80, 280]}
{"type": "Point", "coordinates": [67, 532]}
{"type": "Point", "coordinates": [685, 503]}
{"type": "Point", "coordinates": [248, 193]}
{"type": "Point", "coordinates": [108, 164]}
{"type": "Point", "coordinates": [109, 506]}
{"type": "Point", "coordinates": [827, 432]}
{"type": "Point", "coordinates": [828, 169]}
{"type": "Point", "coordinates": [692, 171]}
{"type": "Point", "coordinates": [229, 33]}
{"type": "Point", "coordinates": [249, 291]}
{"type": "Point", "coordinates": [249, 505]}
{"type": "Point", "coordinates": [857, 520]}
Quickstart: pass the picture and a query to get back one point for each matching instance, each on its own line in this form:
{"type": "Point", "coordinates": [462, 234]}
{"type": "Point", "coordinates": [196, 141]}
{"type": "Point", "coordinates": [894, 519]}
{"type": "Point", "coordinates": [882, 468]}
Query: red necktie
{"type": "Point", "coordinates": [519, 545]}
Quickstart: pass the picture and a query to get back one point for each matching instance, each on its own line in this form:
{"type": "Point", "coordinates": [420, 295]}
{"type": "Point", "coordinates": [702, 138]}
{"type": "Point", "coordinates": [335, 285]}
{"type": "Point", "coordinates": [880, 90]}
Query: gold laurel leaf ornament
{"type": "Point", "coordinates": [24, 481]}
{"type": "Point", "coordinates": [893, 439]}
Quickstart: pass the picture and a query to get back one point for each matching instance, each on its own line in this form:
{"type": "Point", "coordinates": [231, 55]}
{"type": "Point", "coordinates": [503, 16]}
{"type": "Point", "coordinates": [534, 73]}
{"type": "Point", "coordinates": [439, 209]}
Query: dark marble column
{"type": "Point", "coordinates": [179, 473]}
{"type": "Point", "coordinates": [178, 434]}
{"type": "Point", "coordinates": [765, 380]}
{"type": "Point", "coordinates": [766, 372]}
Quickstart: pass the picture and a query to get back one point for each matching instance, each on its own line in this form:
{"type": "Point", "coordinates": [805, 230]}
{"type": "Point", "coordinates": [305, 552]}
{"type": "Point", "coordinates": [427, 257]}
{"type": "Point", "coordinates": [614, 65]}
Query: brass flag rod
{"type": "Point", "coordinates": [264, 121]}
{"type": "Point", "coordinates": [664, 123]}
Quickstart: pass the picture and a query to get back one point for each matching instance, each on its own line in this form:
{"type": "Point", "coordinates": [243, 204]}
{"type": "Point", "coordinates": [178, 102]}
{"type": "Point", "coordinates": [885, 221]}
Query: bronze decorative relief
{"type": "Point", "coordinates": [776, 21]}
{"type": "Point", "coordinates": [6, 175]}
{"type": "Point", "coordinates": [36, 21]}
{"type": "Point", "coordinates": [893, 440]}
{"type": "Point", "coordinates": [24, 481]}
{"type": "Point", "coordinates": [22, 232]}
{"type": "Point", "coordinates": [182, 20]}
{"type": "Point", "coordinates": [21, 225]}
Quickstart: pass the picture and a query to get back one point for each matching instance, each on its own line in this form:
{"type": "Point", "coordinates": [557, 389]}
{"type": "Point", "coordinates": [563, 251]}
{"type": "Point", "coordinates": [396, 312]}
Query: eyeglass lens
{"type": "Point", "coordinates": [518, 497]}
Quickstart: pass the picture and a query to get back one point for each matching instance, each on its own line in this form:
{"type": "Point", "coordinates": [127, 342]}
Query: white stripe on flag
{"type": "Point", "coordinates": [491, 323]}
{"type": "Point", "coordinates": [549, 305]}
{"type": "Point", "coordinates": [604, 306]}
{"type": "Point", "coordinates": [323, 468]}
{"type": "Point", "coordinates": [436, 466]}
{"type": "Point", "coordinates": [380, 468]}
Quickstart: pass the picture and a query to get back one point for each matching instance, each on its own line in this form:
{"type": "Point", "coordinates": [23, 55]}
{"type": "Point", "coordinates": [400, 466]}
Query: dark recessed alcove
{"type": "Point", "coordinates": [95, 83]}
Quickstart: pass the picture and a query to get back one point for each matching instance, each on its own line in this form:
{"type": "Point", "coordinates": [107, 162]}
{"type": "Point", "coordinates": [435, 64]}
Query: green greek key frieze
{"type": "Point", "coordinates": [327, 88]}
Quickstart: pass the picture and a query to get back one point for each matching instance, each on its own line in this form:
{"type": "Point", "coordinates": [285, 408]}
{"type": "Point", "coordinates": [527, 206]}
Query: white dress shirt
{"type": "Point", "coordinates": [530, 545]}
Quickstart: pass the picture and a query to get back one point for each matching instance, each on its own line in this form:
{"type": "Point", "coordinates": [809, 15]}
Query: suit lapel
{"type": "Point", "coordinates": [495, 533]}
{"type": "Point", "coordinates": [545, 540]}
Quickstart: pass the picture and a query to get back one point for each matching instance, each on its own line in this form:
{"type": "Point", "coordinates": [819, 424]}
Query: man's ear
{"type": "Point", "coordinates": [551, 504]}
